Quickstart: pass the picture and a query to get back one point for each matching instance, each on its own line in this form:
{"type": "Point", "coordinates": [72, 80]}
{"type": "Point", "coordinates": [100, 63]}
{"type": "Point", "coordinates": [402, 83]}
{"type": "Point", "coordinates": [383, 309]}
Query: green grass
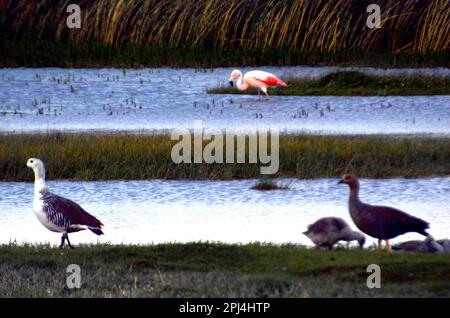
{"type": "Point", "coordinates": [85, 156]}
{"type": "Point", "coordinates": [355, 83]}
{"type": "Point", "coordinates": [218, 270]}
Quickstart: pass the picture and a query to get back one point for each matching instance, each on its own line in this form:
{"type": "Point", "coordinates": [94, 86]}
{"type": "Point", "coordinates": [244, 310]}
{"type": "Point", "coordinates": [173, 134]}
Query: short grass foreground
{"type": "Point", "coordinates": [355, 84]}
{"type": "Point", "coordinates": [140, 156]}
{"type": "Point", "coordinates": [216, 270]}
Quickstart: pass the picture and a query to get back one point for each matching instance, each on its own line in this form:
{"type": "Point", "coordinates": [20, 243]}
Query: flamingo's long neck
{"type": "Point", "coordinates": [39, 183]}
{"type": "Point", "coordinates": [241, 85]}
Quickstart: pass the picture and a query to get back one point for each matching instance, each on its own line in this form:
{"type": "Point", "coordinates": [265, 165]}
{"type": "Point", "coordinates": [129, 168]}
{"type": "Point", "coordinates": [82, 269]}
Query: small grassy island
{"type": "Point", "coordinates": [354, 84]}
{"type": "Point", "coordinates": [218, 270]}
{"type": "Point", "coordinates": [269, 184]}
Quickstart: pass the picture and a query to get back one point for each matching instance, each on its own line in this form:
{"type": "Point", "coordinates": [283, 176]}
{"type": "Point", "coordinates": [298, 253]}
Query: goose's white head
{"type": "Point", "coordinates": [38, 167]}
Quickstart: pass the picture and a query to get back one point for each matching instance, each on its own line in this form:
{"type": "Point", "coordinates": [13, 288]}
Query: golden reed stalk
{"type": "Point", "coordinates": [296, 25]}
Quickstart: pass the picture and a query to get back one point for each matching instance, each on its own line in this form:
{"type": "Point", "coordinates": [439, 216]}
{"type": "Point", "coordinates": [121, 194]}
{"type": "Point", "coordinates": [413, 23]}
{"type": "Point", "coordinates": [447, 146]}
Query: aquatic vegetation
{"type": "Point", "coordinates": [97, 156]}
{"type": "Point", "coordinates": [355, 83]}
{"type": "Point", "coordinates": [269, 184]}
{"type": "Point", "coordinates": [218, 270]}
{"type": "Point", "coordinates": [214, 32]}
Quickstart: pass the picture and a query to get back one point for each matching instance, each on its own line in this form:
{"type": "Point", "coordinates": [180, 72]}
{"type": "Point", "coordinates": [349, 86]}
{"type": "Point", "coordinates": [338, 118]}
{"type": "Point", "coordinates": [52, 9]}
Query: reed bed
{"type": "Point", "coordinates": [274, 31]}
{"type": "Point", "coordinates": [138, 156]}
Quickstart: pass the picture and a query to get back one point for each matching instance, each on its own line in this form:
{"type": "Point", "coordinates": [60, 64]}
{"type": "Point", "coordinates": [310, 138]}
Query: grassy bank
{"type": "Point", "coordinates": [216, 270]}
{"type": "Point", "coordinates": [355, 83]}
{"type": "Point", "coordinates": [214, 32]}
{"type": "Point", "coordinates": [122, 156]}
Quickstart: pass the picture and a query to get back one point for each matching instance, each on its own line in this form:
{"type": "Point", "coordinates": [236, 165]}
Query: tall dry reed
{"type": "Point", "coordinates": [295, 25]}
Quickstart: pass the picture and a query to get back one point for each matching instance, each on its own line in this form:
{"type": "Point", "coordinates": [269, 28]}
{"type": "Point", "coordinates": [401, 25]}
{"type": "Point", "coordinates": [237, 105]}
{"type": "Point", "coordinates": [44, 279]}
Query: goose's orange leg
{"type": "Point", "coordinates": [378, 248]}
{"type": "Point", "coordinates": [388, 247]}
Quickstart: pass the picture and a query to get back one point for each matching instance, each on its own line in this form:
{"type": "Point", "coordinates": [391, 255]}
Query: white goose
{"type": "Point", "coordinates": [56, 213]}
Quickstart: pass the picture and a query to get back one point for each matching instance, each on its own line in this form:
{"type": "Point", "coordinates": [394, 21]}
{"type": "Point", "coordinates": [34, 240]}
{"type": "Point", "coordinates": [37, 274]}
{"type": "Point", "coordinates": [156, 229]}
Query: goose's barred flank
{"type": "Point", "coordinates": [53, 214]}
{"type": "Point", "coordinates": [68, 215]}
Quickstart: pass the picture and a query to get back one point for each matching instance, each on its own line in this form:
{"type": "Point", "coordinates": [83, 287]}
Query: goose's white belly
{"type": "Point", "coordinates": [320, 239]}
{"type": "Point", "coordinates": [42, 217]}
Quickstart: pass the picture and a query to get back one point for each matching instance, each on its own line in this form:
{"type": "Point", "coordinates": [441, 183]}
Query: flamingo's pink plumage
{"type": "Point", "coordinates": [272, 81]}
{"type": "Point", "coordinates": [258, 79]}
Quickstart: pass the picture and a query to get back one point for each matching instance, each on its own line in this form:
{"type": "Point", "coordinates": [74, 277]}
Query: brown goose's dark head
{"type": "Point", "coordinates": [350, 179]}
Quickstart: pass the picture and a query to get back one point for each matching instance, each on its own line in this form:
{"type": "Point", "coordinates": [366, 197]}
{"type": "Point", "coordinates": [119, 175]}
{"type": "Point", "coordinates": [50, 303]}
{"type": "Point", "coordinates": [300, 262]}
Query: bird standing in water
{"type": "Point", "coordinates": [56, 213]}
{"type": "Point", "coordinates": [381, 222]}
{"type": "Point", "coordinates": [259, 79]}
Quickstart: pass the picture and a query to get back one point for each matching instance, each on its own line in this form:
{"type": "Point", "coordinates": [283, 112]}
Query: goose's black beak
{"type": "Point", "coordinates": [340, 181]}
{"type": "Point", "coordinates": [231, 83]}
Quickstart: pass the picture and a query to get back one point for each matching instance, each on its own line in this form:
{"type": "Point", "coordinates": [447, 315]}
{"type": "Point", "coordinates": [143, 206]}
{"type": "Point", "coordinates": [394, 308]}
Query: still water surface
{"type": "Point", "coordinates": [46, 99]}
{"type": "Point", "coordinates": [158, 211]}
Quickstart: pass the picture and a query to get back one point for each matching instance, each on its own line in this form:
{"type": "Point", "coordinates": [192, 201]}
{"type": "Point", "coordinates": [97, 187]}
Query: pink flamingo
{"type": "Point", "coordinates": [259, 79]}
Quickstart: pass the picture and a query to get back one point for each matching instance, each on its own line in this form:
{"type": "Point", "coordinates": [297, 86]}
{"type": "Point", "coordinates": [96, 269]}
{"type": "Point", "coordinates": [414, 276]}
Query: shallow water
{"type": "Point", "coordinates": [228, 211]}
{"type": "Point", "coordinates": [46, 99]}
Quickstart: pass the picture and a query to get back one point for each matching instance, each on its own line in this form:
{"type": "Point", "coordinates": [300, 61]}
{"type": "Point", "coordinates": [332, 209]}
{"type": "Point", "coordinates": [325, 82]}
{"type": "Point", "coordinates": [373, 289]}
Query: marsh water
{"type": "Point", "coordinates": [53, 99]}
{"type": "Point", "coordinates": [228, 211]}
{"type": "Point", "coordinates": [47, 99]}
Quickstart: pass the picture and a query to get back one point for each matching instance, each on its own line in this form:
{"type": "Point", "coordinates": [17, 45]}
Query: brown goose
{"type": "Point", "coordinates": [381, 222]}
{"type": "Point", "coordinates": [326, 232]}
